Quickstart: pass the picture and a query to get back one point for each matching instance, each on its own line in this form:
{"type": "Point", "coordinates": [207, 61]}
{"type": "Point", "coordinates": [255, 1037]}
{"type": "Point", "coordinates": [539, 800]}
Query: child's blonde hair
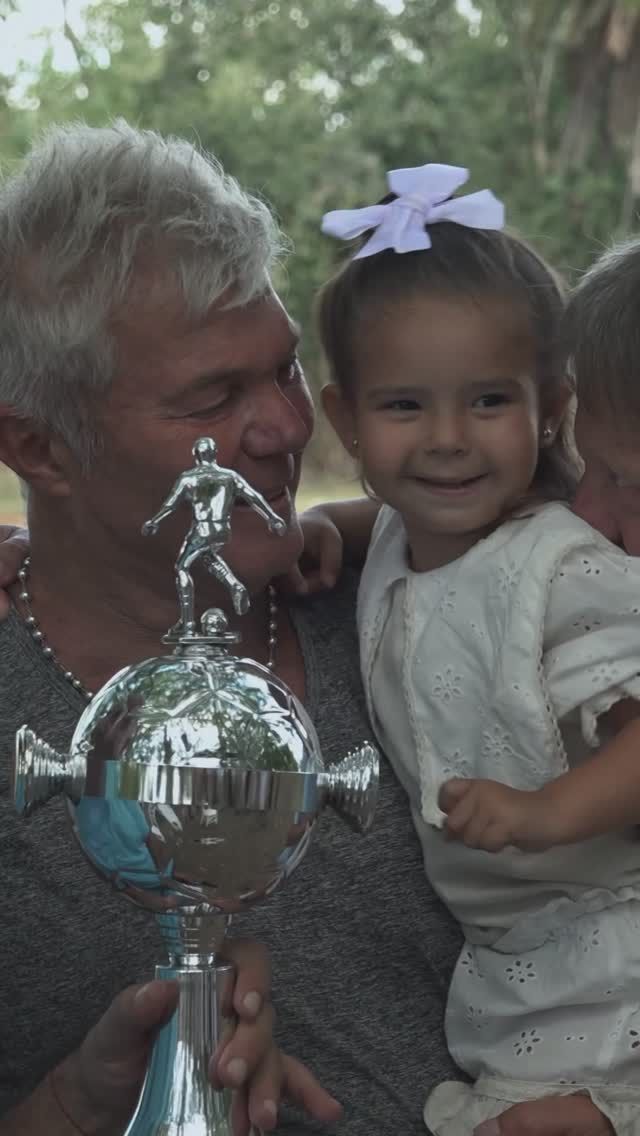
{"type": "Point", "coordinates": [602, 335]}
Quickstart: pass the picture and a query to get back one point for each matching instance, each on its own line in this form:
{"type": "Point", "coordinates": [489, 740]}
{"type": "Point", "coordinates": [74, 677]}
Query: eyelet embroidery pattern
{"type": "Point", "coordinates": [448, 602]}
{"type": "Point", "coordinates": [526, 1041]}
{"type": "Point", "coordinates": [469, 964]}
{"type": "Point", "coordinates": [476, 1017]}
{"type": "Point", "coordinates": [446, 685]}
{"type": "Point", "coordinates": [521, 972]}
{"type": "Point", "coordinates": [590, 940]}
{"type": "Point", "coordinates": [477, 631]}
{"type": "Point", "coordinates": [507, 576]}
{"type": "Point", "coordinates": [603, 674]}
{"type": "Point", "coordinates": [456, 765]}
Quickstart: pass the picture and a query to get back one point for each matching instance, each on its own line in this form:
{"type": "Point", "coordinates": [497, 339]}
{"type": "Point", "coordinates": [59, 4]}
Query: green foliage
{"type": "Point", "coordinates": [309, 103]}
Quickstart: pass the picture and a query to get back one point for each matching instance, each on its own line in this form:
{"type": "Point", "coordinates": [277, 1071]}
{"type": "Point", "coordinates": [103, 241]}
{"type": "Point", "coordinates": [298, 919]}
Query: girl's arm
{"type": "Point", "coordinates": [334, 532]}
{"type": "Point", "coordinates": [603, 793]}
{"type": "Point", "coordinates": [599, 796]}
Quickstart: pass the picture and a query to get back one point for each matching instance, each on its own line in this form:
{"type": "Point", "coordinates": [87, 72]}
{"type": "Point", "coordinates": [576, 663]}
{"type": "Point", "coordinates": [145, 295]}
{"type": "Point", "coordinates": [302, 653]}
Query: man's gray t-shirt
{"type": "Point", "coordinates": [361, 948]}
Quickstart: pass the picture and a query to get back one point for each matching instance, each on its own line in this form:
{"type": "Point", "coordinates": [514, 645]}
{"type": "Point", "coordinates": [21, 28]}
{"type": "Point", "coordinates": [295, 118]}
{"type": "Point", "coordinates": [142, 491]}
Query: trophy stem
{"type": "Point", "coordinates": [177, 1098]}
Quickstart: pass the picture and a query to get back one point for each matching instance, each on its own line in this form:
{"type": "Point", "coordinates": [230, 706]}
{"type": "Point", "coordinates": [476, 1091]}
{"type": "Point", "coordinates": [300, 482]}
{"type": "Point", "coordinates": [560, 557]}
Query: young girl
{"type": "Point", "coordinates": [500, 642]}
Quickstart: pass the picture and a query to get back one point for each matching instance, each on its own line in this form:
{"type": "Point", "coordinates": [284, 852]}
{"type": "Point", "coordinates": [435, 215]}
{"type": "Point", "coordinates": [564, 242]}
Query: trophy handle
{"type": "Point", "coordinates": [40, 772]}
{"type": "Point", "coordinates": [351, 786]}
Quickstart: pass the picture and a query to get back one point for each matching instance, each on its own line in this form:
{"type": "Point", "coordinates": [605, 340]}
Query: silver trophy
{"type": "Point", "coordinates": [193, 782]}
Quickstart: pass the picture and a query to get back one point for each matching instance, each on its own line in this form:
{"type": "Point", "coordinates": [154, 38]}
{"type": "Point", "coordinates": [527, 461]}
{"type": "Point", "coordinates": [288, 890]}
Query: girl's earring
{"type": "Point", "coordinates": [354, 446]}
{"type": "Point", "coordinates": [547, 433]}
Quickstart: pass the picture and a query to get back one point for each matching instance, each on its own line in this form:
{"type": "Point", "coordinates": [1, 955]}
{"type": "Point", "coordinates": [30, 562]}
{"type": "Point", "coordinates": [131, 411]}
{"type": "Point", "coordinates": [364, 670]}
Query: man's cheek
{"type": "Point", "coordinates": [599, 515]}
{"type": "Point", "coordinates": [630, 533]}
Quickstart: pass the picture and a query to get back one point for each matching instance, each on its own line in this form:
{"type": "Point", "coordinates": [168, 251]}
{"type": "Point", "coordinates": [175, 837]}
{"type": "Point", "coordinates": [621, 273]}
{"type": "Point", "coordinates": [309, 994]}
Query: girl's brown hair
{"type": "Point", "coordinates": [466, 263]}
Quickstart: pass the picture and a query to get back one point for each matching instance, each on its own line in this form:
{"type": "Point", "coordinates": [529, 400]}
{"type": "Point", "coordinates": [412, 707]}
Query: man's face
{"type": "Point", "coordinates": [608, 496]}
{"type": "Point", "coordinates": [234, 377]}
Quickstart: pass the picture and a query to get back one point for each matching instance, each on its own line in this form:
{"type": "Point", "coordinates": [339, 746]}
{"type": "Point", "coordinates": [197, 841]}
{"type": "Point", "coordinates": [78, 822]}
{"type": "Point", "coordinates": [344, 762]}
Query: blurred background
{"type": "Point", "coordinates": [309, 102]}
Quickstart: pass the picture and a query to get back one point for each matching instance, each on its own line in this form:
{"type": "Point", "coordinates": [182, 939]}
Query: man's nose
{"type": "Point", "coordinates": [281, 421]}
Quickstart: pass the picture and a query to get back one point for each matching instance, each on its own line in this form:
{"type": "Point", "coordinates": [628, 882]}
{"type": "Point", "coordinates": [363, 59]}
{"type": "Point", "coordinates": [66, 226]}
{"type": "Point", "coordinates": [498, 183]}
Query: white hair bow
{"type": "Point", "coordinates": [423, 198]}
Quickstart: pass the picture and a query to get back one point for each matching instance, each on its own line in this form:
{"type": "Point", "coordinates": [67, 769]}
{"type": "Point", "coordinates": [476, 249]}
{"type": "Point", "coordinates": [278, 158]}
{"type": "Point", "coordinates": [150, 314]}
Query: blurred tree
{"type": "Point", "coordinates": [309, 103]}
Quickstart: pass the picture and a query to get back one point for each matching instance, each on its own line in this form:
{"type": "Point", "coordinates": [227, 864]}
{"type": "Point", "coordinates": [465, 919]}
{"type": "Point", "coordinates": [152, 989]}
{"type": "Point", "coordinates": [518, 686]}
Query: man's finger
{"type": "Point", "coordinates": [302, 1088]}
{"type": "Point", "coordinates": [132, 1017]}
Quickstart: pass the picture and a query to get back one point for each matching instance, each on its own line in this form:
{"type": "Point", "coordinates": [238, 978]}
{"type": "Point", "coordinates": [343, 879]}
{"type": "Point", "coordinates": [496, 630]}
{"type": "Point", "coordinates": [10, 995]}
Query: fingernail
{"type": "Point", "coordinates": [488, 1128]}
{"type": "Point", "coordinates": [236, 1071]}
{"type": "Point", "coordinates": [142, 995]}
{"type": "Point", "coordinates": [252, 1002]}
{"type": "Point", "coordinates": [269, 1110]}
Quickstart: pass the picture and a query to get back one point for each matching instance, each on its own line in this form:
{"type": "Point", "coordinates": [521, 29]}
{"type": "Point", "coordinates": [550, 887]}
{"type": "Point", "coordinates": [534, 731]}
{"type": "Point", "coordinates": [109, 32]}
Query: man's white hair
{"type": "Point", "coordinates": [89, 210]}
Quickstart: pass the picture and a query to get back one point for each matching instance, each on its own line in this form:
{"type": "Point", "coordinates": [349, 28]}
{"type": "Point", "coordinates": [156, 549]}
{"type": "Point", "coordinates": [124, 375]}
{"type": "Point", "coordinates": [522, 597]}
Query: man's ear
{"type": "Point", "coordinates": [39, 459]}
{"type": "Point", "coordinates": [340, 413]}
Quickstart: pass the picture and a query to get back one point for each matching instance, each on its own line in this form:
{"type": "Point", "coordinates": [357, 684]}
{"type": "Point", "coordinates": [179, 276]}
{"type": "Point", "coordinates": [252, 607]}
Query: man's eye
{"type": "Point", "coordinates": [211, 410]}
{"type": "Point", "coordinates": [491, 400]}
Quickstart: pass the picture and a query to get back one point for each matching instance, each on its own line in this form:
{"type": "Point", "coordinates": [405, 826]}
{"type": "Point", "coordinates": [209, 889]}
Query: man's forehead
{"type": "Point", "coordinates": [230, 337]}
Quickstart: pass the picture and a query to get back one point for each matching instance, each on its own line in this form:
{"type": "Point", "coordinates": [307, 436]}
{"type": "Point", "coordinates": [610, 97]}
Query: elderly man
{"type": "Point", "coordinates": [137, 315]}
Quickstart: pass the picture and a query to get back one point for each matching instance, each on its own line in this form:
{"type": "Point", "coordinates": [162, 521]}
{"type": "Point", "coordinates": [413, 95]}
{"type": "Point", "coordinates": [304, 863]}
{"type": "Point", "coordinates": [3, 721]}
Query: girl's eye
{"type": "Point", "coordinates": [403, 405]}
{"type": "Point", "coordinates": [491, 400]}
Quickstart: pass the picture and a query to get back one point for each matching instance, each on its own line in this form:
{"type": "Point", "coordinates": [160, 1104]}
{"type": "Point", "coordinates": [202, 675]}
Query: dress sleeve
{"type": "Point", "coordinates": [591, 656]}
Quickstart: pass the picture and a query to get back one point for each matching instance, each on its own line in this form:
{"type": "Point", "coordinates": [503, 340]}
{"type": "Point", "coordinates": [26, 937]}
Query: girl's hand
{"type": "Point", "coordinates": [491, 816]}
{"type": "Point", "coordinates": [14, 545]}
{"type": "Point", "coordinates": [321, 562]}
{"type": "Point", "coordinates": [551, 1116]}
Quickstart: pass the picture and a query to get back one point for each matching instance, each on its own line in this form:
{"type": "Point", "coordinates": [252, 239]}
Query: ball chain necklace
{"type": "Point", "coordinates": [37, 634]}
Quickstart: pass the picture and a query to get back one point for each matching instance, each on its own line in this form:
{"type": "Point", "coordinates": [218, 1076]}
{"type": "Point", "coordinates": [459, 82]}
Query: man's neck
{"type": "Point", "coordinates": [100, 612]}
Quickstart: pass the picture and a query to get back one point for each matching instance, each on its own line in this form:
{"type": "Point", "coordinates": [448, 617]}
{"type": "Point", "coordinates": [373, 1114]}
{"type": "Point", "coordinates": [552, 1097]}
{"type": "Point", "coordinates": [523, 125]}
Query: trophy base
{"type": "Point", "coordinates": [177, 1098]}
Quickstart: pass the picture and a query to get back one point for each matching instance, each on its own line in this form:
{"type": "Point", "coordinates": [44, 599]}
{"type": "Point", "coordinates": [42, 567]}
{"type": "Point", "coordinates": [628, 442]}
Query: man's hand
{"type": "Point", "coordinates": [14, 545]}
{"type": "Point", "coordinates": [277, 526]}
{"type": "Point", "coordinates": [97, 1086]}
{"type": "Point", "coordinates": [551, 1116]}
{"type": "Point", "coordinates": [490, 816]}
{"type": "Point", "coordinates": [150, 528]}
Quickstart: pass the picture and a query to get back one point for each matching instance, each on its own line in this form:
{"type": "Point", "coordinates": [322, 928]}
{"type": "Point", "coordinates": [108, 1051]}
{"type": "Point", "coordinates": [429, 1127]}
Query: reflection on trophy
{"type": "Point", "coordinates": [193, 782]}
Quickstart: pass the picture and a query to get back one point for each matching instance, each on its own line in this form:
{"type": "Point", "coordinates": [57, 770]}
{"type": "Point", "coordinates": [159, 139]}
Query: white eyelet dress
{"type": "Point", "coordinates": [499, 665]}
